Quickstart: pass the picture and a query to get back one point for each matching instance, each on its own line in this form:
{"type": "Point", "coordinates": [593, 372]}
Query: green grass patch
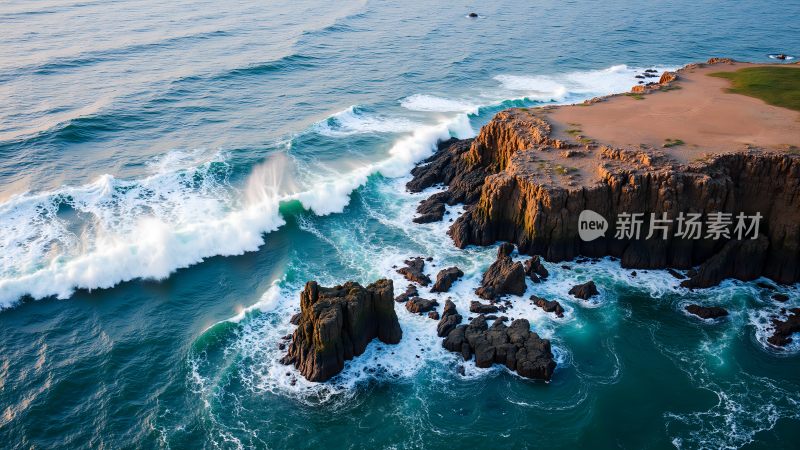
{"type": "Point", "coordinates": [778, 86]}
{"type": "Point", "coordinates": [585, 140]}
{"type": "Point", "coordinates": [562, 170]}
{"type": "Point", "coordinates": [635, 96]}
{"type": "Point", "coordinates": [672, 142]}
{"type": "Point", "coordinates": [573, 131]}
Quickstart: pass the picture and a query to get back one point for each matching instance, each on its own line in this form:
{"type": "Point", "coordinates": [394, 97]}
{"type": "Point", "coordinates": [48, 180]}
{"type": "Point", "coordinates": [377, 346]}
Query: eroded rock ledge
{"type": "Point", "coordinates": [505, 176]}
{"type": "Point", "coordinates": [336, 324]}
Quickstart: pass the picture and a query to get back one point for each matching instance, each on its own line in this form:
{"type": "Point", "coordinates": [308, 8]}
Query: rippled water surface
{"type": "Point", "coordinates": [171, 174]}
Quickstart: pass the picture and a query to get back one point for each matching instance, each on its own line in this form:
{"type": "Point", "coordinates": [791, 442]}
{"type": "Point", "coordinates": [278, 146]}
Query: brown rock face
{"type": "Point", "coordinates": [503, 277]}
{"type": "Point", "coordinates": [337, 323]}
{"type": "Point", "coordinates": [508, 199]}
{"type": "Point", "coordinates": [707, 312]}
{"type": "Point", "coordinates": [445, 279]}
{"type": "Point", "coordinates": [784, 329]}
{"type": "Point", "coordinates": [515, 346]}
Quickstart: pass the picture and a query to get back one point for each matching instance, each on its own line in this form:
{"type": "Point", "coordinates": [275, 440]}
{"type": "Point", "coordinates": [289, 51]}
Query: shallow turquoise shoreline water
{"type": "Point", "coordinates": [234, 154]}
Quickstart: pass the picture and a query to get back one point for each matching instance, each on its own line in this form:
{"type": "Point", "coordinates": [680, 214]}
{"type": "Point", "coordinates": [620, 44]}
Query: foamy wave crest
{"type": "Point", "coordinates": [332, 192]}
{"type": "Point", "coordinates": [112, 230]}
{"type": "Point", "coordinates": [431, 103]}
{"type": "Point", "coordinates": [355, 120]}
{"type": "Point", "coordinates": [559, 88]}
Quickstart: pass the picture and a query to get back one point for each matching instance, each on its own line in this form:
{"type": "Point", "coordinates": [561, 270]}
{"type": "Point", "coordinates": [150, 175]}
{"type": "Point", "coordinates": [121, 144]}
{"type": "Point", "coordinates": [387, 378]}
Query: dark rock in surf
{"type": "Point", "coordinates": [503, 277]}
{"type": "Point", "coordinates": [411, 292]}
{"type": "Point", "coordinates": [432, 209]}
{"type": "Point", "coordinates": [780, 297]}
{"type": "Point", "coordinates": [450, 319]}
{"type": "Point", "coordinates": [535, 270]}
{"type": "Point", "coordinates": [584, 291]}
{"type": "Point", "coordinates": [337, 323]}
{"type": "Point", "coordinates": [784, 329]}
{"type": "Point", "coordinates": [707, 312]}
{"type": "Point", "coordinates": [420, 305]}
{"type": "Point", "coordinates": [514, 346]}
{"type": "Point", "coordinates": [445, 279]}
{"type": "Point", "coordinates": [433, 315]}
{"type": "Point", "coordinates": [551, 306]}
{"type": "Point", "coordinates": [413, 271]}
{"type": "Point", "coordinates": [480, 308]}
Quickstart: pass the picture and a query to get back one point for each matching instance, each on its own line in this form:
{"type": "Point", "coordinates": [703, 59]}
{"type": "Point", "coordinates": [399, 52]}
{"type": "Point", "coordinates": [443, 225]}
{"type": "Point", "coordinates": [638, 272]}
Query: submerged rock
{"type": "Point", "coordinates": [337, 323]}
{"type": "Point", "coordinates": [707, 312]}
{"type": "Point", "coordinates": [780, 297]}
{"type": "Point", "coordinates": [548, 305]}
{"type": "Point", "coordinates": [584, 291]}
{"type": "Point", "coordinates": [413, 271]}
{"type": "Point", "coordinates": [784, 329]}
{"type": "Point", "coordinates": [445, 279]}
{"type": "Point", "coordinates": [514, 346]}
{"type": "Point", "coordinates": [503, 277]}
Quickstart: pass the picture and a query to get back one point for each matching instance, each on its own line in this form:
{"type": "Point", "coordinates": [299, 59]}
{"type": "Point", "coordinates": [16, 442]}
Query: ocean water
{"type": "Point", "coordinates": [172, 173]}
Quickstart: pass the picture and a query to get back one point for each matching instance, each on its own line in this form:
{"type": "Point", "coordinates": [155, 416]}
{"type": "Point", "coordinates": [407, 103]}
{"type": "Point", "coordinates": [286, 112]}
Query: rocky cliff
{"type": "Point", "coordinates": [336, 324]}
{"type": "Point", "coordinates": [508, 177]}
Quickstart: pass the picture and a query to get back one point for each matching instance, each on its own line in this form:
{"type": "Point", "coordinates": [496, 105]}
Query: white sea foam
{"type": "Point", "coordinates": [432, 103]}
{"type": "Point", "coordinates": [572, 85]}
{"type": "Point", "coordinates": [354, 120]}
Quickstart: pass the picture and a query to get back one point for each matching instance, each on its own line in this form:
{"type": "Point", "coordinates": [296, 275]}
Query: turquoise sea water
{"type": "Point", "coordinates": [172, 174]}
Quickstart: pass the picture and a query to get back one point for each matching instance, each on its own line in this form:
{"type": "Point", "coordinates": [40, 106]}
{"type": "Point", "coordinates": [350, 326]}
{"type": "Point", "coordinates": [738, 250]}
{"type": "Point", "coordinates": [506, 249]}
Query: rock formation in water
{"type": "Point", "coordinates": [418, 305]}
{"type": "Point", "coordinates": [445, 279]}
{"type": "Point", "coordinates": [707, 312]}
{"type": "Point", "coordinates": [503, 277]}
{"type": "Point", "coordinates": [450, 319]}
{"type": "Point", "coordinates": [498, 176]}
{"type": "Point", "coordinates": [337, 323]}
{"type": "Point", "coordinates": [535, 270]}
{"type": "Point", "coordinates": [414, 271]}
{"type": "Point", "coordinates": [514, 346]}
{"type": "Point", "coordinates": [784, 329]}
{"type": "Point", "coordinates": [584, 291]}
{"type": "Point", "coordinates": [548, 305]}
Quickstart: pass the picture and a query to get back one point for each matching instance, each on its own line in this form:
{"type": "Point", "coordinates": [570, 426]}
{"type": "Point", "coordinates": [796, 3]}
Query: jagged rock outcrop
{"type": "Point", "coordinates": [551, 306]}
{"type": "Point", "coordinates": [584, 291]}
{"type": "Point", "coordinates": [497, 175]}
{"type": "Point", "coordinates": [535, 270]}
{"type": "Point", "coordinates": [450, 319]}
{"type": "Point", "coordinates": [414, 271]}
{"type": "Point", "coordinates": [784, 329]}
{"type": "Point", "coordinates": [707, 312]}
{"type": "Point", "coordinates": [503, 277]}
{"type": "Point", "coordinates": [445, 279]}
{"type": "Point", "coordinates": [514, 346]}
{"type": "Point", "coordinates": [337, 323]}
